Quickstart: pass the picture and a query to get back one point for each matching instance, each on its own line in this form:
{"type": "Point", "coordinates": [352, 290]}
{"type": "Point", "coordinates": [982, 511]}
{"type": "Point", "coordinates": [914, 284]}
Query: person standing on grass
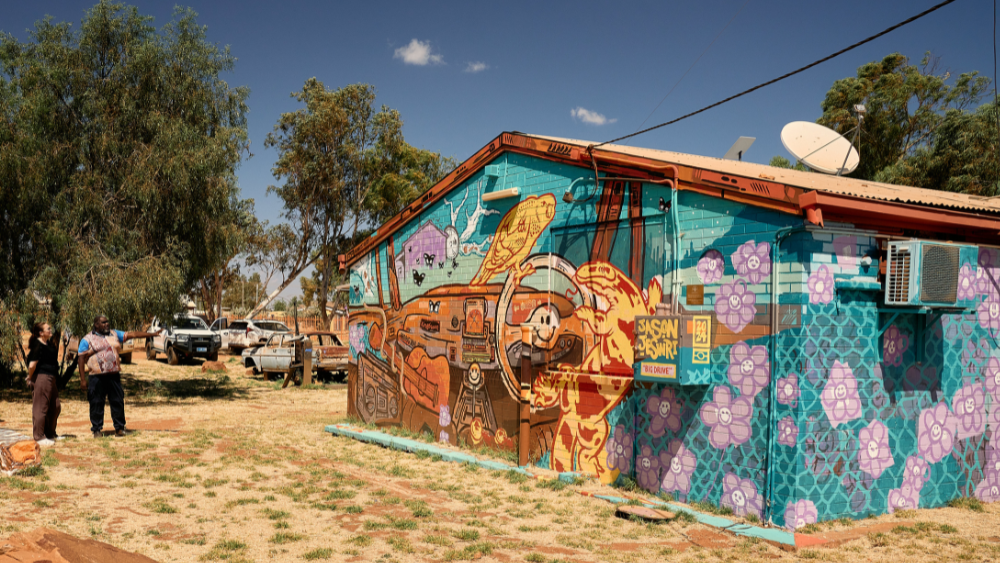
{"type": "Point", "coordinates": [43, 371]}
{"type": "Point", "coordinates": [98, 356]}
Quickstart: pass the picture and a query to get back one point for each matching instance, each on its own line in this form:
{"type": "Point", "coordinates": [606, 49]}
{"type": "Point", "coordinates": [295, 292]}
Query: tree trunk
{"type": "Point", "coordinates": [284, 285]}
{"type": "Point", "coordinates": [324, 288]}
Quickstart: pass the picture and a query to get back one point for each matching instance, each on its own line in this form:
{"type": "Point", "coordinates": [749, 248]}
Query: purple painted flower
{"type": "Point", "coordinates": [443, 436]}
{"type": "Point", "coordinates": [991, 376]}
{"type": "Point", "coordinates": [918, 472]}
{"type": "Point", "coordinates": [969, 404]}
{"type": "Point", "coordinates": [988, 313]}
{"type": "Point", "coordinates": [820, 286]}
{"type": "Point", "coordinates": [728, 417]}
{"type": "Point", "coordinates": [678, 465]}
{"type": "Point", "coordinates": [966, 283]}
{"type": "Point", "coordinates": [905, 497]}
{"type": "Point", "coordinates": [894, 344]}
{"type": "Point", "coordinates": [735, 306]}
{"type": "Point", "coordinates": [936, 433]}
{"type": "Point", "coordinates": [619, 450]}
{"type": "Point", "coordinates": [753, 261]}
{"type": "Point", "coordinates": [647, 468]}
{"type": "Point", "coordinates": [917, 379]}
{"type": "Point", "coordinates": [740, 495]}
{"type": "Point", "coordinates": [840, 395]}
{"type": "Point", "coordinates": [748, 368]}
{"type": "Point", "coordinates": [800, 514]}
{"type": "Point", "coordinates": [874, 455]}
{"type": "Point", "coordinates": [788, 432]}
{"type": "Point", "coordinates": [444, 416]}
{"type": "Point", "coordinates": [711, 266]}
{"type": "Point", "coordinates": [788, 390]}
{"type": "Point", "coordinates": [664, 412]}
{"type": "Point", "coordinates": [355, 333]}
{"type": "Point", "coordinates": [988, 490]}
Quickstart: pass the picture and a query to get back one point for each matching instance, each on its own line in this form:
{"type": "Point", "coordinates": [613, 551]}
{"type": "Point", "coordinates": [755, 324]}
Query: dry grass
{"type": "Point", "coordinates": [231, 468]}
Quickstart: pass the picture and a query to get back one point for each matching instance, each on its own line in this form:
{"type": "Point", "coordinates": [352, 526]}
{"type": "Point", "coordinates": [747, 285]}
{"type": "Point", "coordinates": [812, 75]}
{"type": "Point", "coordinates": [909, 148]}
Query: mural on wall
{"type": "Point", "coordinates": [871, 413]}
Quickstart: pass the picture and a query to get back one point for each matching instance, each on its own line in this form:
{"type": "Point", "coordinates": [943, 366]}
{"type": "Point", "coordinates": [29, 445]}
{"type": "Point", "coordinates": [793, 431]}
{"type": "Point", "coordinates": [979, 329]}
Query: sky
{"type": "Point", "coordinates": [460, 73]}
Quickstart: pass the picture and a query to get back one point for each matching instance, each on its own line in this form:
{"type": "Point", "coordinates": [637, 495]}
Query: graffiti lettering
{"type": "Point", "coordinates": [658, 337]}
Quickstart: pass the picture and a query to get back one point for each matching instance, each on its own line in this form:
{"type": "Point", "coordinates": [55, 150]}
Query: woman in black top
{"type": "Point", "coordinates": [43, 369]}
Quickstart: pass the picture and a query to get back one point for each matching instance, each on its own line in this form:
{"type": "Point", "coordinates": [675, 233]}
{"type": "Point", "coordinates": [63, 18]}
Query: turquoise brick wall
{"type": "Point", "coordinates": [820, 422]}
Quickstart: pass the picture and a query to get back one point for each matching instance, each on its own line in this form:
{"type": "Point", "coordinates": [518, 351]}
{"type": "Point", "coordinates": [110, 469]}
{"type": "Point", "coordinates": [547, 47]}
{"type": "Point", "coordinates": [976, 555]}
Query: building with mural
{"type": "Point", "coordinates": [793, 345]}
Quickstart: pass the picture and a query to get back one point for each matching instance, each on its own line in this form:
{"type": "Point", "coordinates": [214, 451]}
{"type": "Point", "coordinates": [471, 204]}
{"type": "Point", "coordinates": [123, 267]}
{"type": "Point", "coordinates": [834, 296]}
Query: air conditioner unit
{"type": "Point", "coordinates": [922, 273]}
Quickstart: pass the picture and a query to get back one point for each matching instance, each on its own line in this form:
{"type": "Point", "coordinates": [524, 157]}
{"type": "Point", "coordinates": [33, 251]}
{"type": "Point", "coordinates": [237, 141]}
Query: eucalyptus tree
{"type": "Point", "coordinates": [118, 150]}
{"type": "Point", "coordinates": [345, 168]}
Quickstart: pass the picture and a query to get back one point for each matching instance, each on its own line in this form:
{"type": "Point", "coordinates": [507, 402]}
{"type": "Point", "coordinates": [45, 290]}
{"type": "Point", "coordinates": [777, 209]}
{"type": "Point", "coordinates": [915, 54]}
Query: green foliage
{"type": "Point", "coordinates": [916, 126]}
{"type": "Point", "coordinates": [117, 166]}
{"type": "Point", "coordinates": [782, 162]}
{"type": "Point", "coordinates": [345, 168]}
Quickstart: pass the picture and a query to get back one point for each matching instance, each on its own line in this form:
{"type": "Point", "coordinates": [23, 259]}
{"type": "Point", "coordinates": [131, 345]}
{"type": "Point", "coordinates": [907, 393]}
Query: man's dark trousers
{"type": "Point", "coordinates": [107, 385]}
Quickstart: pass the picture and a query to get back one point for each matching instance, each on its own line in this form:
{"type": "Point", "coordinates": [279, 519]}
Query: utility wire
{"type": "Point", "coordinates": [681, 79]}
{"type": "Point", "coordinates": [790, 74]}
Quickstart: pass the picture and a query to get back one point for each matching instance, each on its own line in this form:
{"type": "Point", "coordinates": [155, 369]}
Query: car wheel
{"type": "Point", "coordinates": [150, 352]}
{"type": "Point", "coordinates": [172, 357]}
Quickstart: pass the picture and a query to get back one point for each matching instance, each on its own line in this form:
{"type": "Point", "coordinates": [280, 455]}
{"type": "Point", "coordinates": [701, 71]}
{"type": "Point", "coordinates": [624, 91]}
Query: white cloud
{"type": "Point", "coordinates": [590, 117]}
{"type": "Point", "coordinates": [418, 53]}
{"type": "Point", "coordinates": [477, 66]}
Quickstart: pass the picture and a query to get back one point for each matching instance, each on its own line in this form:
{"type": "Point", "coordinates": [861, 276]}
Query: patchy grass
{"type": "Point", "coordinates": [318, 553]}
{"type": "Point", "coordinates": [967, 503]}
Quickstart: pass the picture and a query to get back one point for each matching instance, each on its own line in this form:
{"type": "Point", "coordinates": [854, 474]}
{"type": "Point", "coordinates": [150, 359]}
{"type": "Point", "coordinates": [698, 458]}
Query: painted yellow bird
{"type": "Point", "coordinates": [516, 236]}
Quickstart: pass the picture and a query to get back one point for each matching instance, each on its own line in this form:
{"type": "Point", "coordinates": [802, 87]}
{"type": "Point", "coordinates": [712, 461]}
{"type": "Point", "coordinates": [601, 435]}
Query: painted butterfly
{"type": "Point", "coordinates": [435, 306]}
{"type": "Point", "coordinates": [418, 278]}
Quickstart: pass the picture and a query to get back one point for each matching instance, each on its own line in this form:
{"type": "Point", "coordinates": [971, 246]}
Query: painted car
{"type": "Point", "coordinates": [275, 355]}
{"type": "Point", "coordinates": [333, 355]}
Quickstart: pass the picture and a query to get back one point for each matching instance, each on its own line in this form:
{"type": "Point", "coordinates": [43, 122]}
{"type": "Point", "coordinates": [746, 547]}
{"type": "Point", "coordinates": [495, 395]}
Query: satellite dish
{"type": "Point", "coordinates": [741, 146]}
{"type": "Point", "coordinates": [822, 149]}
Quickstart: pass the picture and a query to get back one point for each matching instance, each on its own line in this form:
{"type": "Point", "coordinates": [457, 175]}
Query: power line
{"type": "Point", "coordinates": [681, 79]}
{"type": "Point", "coordinates": [790, 74]}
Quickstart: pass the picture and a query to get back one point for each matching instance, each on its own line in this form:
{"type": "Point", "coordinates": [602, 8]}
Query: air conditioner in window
{"type": "Point", "coordinates": [923, 273]}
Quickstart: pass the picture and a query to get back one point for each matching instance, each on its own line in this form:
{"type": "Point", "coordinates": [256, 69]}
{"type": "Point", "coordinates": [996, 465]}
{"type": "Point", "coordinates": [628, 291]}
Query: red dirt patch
{"type": "Point", "coordinates": [709, 539]}
{"type": "Point", "coordinates": [834, 539]}
{"type": "Point", "coordinates": [44, 544]}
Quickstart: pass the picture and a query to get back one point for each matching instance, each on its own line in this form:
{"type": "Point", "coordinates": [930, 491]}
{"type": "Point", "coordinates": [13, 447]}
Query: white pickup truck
{"type": "Point", "coordinates": [183, 338]}
{"type": "Point", "coordinates": [247, 333]}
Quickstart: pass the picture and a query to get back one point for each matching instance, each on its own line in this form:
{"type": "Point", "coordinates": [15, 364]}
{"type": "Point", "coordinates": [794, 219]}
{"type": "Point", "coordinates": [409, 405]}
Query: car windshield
{"type": "Point", "coordinates": [189, 323]}
{"type": "Point", "coordinates": [272, 326]}
{"type": "Point", "coordinates": [238, 326]}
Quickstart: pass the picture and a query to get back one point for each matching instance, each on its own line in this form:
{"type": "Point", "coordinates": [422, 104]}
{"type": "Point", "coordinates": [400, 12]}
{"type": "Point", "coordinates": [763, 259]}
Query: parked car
{"type": "Point", "coordinates": [247, 333]}
{"type": "Point", "coordinates": [333, 355]}
{"type": "Point", "coordinates": [276, 355]}
{"type": "Point", "coordinates": [183, 338]}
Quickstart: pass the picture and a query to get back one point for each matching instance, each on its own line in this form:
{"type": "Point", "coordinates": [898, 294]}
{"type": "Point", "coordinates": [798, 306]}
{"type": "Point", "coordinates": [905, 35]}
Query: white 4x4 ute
{"type": "Point", "coordinates": [183, 339]}
{"type": "Point", "coordinates": [247, 333]}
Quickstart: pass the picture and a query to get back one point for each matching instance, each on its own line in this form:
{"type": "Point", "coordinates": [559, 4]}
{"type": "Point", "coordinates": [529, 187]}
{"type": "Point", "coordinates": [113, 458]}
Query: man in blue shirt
{"type": "Point", "coordinates": [98, 356]}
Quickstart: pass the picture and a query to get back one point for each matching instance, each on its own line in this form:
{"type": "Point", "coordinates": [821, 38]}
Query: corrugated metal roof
{"type": "Point", "coordinates": [807, 180]}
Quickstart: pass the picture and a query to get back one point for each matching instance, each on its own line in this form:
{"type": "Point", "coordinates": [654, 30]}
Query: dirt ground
{"type": "Point", "coordinates": [228, 467]}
